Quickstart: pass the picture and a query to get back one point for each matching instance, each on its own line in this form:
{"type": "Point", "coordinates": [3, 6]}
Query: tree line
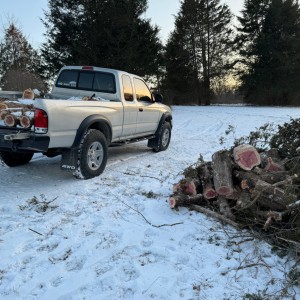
{"type": "Point", "coordinates": [209, 54]}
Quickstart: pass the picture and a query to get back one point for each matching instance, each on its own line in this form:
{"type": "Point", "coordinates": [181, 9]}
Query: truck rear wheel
{"type": "Point", "coordinates": [92, 155]}
{"type": "Point", "coordinates": [13, 159]}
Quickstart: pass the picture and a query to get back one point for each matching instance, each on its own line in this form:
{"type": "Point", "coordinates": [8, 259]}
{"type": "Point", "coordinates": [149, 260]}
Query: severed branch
{"type": "Point", "coordinates": [35, 231]}
{"type": "Point", "coordinates": [215, 215]}
{"type": "Point", "coordinates": [156, 226]}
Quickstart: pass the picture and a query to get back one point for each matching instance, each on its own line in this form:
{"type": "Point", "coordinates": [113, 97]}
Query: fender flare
{"type": "Point", "coordinates": [95, 122]}
{"type": "Point", "coordinates": [166, 117]}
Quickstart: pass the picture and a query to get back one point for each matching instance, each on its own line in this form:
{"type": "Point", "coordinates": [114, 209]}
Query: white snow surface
{"type": "Point", "coordinates": [115, 237]}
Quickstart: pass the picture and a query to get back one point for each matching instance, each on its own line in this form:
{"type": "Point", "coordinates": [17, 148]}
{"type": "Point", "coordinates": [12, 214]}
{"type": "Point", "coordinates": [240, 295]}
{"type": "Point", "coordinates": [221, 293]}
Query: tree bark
{"type": "Point", "coordinates": [225, 208]}
{"type": "Point", "coordinates": [272, 197]}
{"type": "Point", "coordinates": [205, 174]}
{"type": "Point", "coordinates": [184, 200]}
{"type": "Point", "coordinates": [222, 173]}
{"type": "Point", "coordinates": [248, 180]}
{"type": "Point", "coordinates": [213, 214]}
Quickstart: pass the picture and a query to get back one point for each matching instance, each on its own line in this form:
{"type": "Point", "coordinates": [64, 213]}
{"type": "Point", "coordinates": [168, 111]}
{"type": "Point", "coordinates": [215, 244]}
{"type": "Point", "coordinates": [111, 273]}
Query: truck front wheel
{"type": "Point", "coordinates": [92, 155]}
{"type": "Point", "coordinates": [13, 159]}
{"type": "Point", "coordinates": [164, 138]}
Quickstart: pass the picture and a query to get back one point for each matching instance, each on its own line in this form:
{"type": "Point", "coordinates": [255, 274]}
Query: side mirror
{"type": "Point", "coordinates": [145, 98]}
{"type": "Point", "coordinates": [158, 97]}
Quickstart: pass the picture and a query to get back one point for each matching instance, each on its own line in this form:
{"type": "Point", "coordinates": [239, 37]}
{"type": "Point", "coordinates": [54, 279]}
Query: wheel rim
{"type": "Point", "coordinates": [95, 156]}
{"type": "Point", "coordinates": [165, 137]}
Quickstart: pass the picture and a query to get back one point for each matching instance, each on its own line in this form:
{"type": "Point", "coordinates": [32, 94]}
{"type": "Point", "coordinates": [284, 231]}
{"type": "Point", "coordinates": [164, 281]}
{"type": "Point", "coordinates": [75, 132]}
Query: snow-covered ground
{"type": "Point", "coordinates": [115, 237]}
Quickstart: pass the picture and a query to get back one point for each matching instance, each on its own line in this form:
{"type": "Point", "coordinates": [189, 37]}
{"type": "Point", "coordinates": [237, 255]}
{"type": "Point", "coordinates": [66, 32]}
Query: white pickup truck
{"type": "Point", "coordinates": [88, 109]}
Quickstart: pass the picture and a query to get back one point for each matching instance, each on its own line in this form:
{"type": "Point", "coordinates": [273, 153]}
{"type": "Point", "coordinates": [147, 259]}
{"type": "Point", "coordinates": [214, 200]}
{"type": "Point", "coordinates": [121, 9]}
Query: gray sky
{"type": "Point", "coordinates": [27, 14]}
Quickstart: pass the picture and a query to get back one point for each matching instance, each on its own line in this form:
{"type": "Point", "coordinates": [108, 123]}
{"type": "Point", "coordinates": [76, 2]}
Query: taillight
{"type": "Point", "coordinates": [40, 121]}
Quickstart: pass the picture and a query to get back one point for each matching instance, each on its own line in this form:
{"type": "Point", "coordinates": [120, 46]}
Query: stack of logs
{"type": "Point", "coordinates": [243, 187]}
{"type": "Point", "coordinates": [14, 113]}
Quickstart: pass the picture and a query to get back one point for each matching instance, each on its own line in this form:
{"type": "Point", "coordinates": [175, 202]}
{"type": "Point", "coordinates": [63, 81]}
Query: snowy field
{"type": "Point", "coordinates": [115, 237]}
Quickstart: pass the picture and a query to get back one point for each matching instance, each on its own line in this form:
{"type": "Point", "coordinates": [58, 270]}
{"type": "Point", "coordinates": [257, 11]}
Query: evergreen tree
{"type": "Point", "coordinates": [273, 75]}
{"type": "Point", "coordinates": [203, 30]}
{"type": "Point", "coordinates": [251, 23]}
{"type": "Point", "coordinates": [17, 56]}
{"type": "Point", "coordinates": [182, 83]}
{"type": "Point", "coordinates": [103, 33]}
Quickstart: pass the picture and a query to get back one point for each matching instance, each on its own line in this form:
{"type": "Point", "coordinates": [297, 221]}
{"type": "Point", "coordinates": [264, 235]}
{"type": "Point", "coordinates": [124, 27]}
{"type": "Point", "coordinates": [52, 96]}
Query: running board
{"type": "Point", "coordinates": [134, 140]}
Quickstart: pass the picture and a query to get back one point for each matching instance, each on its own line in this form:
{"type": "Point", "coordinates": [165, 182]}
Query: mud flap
{"type": "Point", "coordinates": [153, 143]}
{"type": "Point", "coordinates": [69, 160]}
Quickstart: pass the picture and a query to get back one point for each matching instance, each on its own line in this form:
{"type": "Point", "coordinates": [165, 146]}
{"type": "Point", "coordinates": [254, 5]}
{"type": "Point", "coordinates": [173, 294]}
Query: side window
{"type": "Point", "coordinates": [104, 82]}
{"type": "Point", "coordinates": [127, 88]}
{"type": "Point", "coordinates": [141, 90]}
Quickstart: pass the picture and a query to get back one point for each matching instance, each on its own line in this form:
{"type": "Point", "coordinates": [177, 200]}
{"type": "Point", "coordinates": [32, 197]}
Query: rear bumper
{"type": "Point", "coordinates": [34, 143]}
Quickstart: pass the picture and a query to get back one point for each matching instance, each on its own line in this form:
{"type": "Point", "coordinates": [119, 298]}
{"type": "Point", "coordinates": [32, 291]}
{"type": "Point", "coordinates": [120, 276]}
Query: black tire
{"type": "Point", "coordinates": [92, 155]}
{"type": "Point", "coordinates": [164, 137]}
{"type": "Point", "coordinates": [13, 159]}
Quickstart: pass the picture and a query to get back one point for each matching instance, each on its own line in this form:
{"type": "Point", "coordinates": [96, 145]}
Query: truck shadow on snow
{"type": "Point", "coordinates": [45, 169]}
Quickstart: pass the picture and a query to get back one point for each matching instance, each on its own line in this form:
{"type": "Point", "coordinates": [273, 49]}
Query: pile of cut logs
{"type": "Point", "coordinates": [244, 187]}
{"type": "Point", "coordinates": [14, 113]}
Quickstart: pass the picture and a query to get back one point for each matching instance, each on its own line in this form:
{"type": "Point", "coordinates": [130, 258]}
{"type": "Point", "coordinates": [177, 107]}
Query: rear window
{"type": "Point", "coordinates": [87, 80]}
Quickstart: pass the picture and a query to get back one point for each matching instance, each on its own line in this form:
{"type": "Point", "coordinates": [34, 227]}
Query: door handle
{"type": "Point", "coordinates": [141, 109]}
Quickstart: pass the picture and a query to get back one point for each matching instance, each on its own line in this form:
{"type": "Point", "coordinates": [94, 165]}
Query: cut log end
{"type": "Point", "coordinates": [3, 113]}
{"type": "Point", "coordinates": [273, 166]}
{"type": "Point", "coordinates": [3, 106]}
{"type": "Point", "coordinates": [246, 156]}
{"type": "Point", "coordinates": [209, 193]}
{"type": "Point", "coordinates": [224, 190]}
{"type": "Point", "coordinates": [25, 121]}
{"type": "Point", "coordinates": [172, 202]}
{"type": "Point", "coordinates": [10, 120]}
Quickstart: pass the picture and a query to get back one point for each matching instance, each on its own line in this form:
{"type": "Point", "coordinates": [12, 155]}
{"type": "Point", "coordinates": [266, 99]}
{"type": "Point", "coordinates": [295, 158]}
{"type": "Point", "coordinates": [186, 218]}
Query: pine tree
{"type": "Point", "coordinates": [203, 29]}
{"type": "Point", "coordinates": [17, 56]}
{"type": "Point", "coordinates": [108, 33]}
{"type": "Point", "coordinates": [272, 76]}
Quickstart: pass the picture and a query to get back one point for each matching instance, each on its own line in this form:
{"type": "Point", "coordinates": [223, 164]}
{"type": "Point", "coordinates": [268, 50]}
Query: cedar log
{"type": "Point", "coordinates": [272, 197]}
{"type": "Point", "coordinates": [25, 121]}
{"type": "Point", "coordinates": [187, 186]}
{"type": "Point", "coordinates": [184, 200]}
{"type": "Point", "coordinates": [249, 179]}
{"type": "Point", "coordinates": [246, 156]}
{"type": "Point", "coordinates": [3, 113]}
{"type": "Point", "coordinates": [222, 173]}
{"type": "Point", "coordinates": [213, 214]}
{"type": "Point", "coordinates": [225, 209]}
{"type": "Point", "coordinates": [10, 120]}
{"type": "Point", "coordinates": [273, 166]}
{"type": "Point", "coordinates": [205, 174]}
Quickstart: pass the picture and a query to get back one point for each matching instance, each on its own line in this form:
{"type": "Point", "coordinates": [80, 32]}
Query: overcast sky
{"type": "Point", "coordinates": [27, 14]}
